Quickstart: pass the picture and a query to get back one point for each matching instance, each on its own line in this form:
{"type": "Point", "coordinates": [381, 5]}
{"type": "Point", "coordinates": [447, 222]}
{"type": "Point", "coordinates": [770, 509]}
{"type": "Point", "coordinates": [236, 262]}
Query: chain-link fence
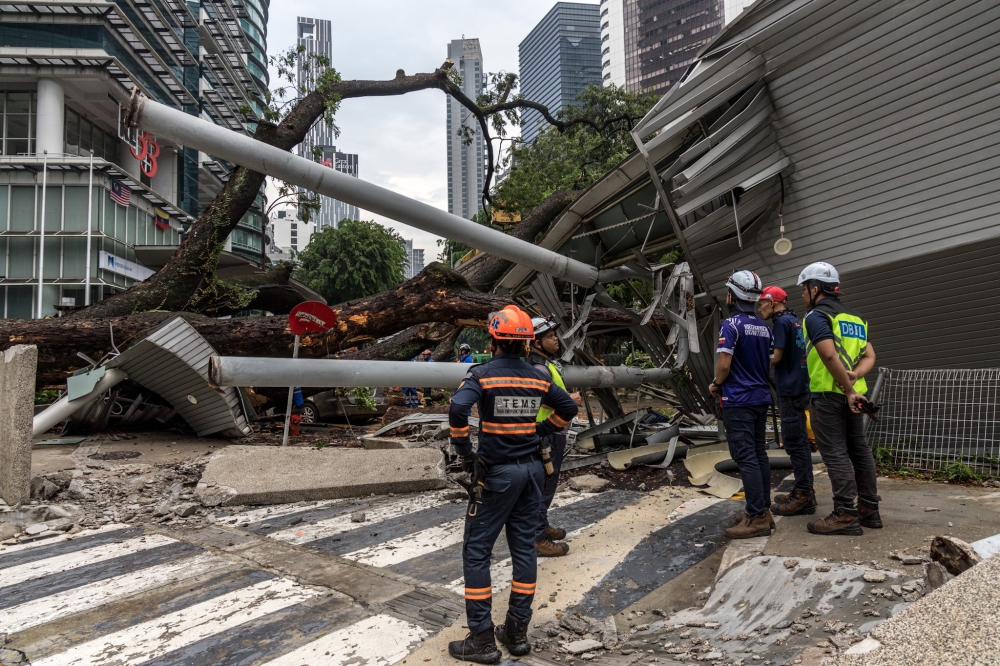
{"type": "Point", "coordinates": [931, 419]}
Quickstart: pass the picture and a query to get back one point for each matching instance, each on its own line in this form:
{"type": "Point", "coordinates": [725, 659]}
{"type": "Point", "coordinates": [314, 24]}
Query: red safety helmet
{"type": "Point", "coordinates": [776, 294]}
{"type": "Point", "coordinates": [511, 323]}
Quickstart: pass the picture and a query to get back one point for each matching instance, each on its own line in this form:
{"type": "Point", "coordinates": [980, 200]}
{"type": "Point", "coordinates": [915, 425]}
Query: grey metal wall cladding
{"type": "Point", "coordinates": [890, 113]}
{"type": "Point", "coordinates": [936, 311]}
{"type": "Point", "coordinates": [173, 362]}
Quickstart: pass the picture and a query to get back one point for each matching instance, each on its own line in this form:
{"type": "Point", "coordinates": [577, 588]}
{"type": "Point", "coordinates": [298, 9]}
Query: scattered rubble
{"type": "Point", "coordinates": [588, 483]}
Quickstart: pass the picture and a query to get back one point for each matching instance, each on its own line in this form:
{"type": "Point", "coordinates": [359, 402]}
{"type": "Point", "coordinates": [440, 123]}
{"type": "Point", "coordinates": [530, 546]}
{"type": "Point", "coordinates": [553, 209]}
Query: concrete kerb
{"type": "Point", "coordinates": [275, 475]}
{"type": "Point", "coordinates": [17, 405]}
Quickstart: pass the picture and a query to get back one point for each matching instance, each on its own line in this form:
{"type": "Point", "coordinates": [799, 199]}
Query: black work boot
{"type": "Point", "coordinates": [480, 648]}
{"type": "Point", "coordinates": [514, 636]}
{"type": "Point", "coordinates": [840, 521]}
{"type": "Point", "coordinates": [798, 503]}
{"type": "Point", "coordinates": [868, 512]}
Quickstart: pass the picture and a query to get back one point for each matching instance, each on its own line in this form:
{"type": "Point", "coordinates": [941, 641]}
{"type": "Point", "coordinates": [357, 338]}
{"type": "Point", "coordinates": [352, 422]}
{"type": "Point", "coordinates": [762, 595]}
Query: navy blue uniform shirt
{"type": "Point", "coordinates": [509, 393]}
{"type": "Point", "coordinates": [748, 339]}
{"type": "Point", "coordinates": [791, 375]}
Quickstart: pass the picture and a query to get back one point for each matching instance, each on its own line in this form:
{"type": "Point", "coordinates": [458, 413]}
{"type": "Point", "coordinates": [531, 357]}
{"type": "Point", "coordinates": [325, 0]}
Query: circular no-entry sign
{"type": "Point", "coordinates": [311, 317]}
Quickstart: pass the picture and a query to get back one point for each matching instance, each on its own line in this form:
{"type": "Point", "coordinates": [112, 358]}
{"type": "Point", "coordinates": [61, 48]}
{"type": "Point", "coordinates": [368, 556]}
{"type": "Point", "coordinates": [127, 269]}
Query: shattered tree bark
{"type": "Point", "coordinates": [435, 297]}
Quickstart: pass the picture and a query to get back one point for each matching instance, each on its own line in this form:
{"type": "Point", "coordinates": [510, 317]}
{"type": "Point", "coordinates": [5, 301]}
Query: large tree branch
{"type": "Point", "coordinates": [435, 298]}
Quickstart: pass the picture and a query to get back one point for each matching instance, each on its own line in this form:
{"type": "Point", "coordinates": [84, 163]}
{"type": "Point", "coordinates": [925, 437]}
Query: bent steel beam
{"type": "Point", "coordinates": [194, 132]}
{"type": "Point", "coordinates": [256, 371]}
{"type": "Point", "coordinates": [63, 408]}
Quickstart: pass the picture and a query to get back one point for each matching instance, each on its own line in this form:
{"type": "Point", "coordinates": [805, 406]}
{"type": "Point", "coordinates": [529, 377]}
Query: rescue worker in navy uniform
{"type": "Point", "coordinates": [741, 381]}
{"type": "Point", "coordinates": [839, 356]}
{"type": "Point", "coordinates": [543, 353]}
{"type": "Point", "coordinates": [791, 384]}
{"type": "Point", "coordinates": [508, 470]}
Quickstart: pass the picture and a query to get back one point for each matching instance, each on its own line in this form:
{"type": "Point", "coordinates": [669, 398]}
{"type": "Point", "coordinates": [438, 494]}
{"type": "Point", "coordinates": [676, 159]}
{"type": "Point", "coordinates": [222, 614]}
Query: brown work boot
{"type": "Point", "coordinates": [738, 518]}
{"type": "Point", "coordinates": [548, 548]}
{"type": "Point", "coordinates": [752, 526]}
{"type": "Point", "coordinates": [554, 533]}
{"type": "Point", "coordinates": [868, 513]}
{"type": "Point", "coordinates": [838, 522]}
{"type": "Point", "coordinates": [798, 503]}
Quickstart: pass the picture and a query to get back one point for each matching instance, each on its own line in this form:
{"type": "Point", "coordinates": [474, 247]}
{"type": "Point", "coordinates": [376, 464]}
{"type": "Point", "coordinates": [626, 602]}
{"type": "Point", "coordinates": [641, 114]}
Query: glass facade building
{"type": "Point", "coordinates": [64, 77]}
{"type": "Point", "coordinates": [466, 145]}
{"type": "Point", "coordinates": [333, 211]}
{"type": "Point", "coordinates": [558, 59]}
{"type": "Point", "coordinates": [663, 37]}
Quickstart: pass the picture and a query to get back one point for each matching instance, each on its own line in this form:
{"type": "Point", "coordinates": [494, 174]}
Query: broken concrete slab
{"type": "Point", "coordinates": [588, 483]}
{"type": "Point", "coordinates": [954, 624]}
{"type": "Point", "coordinates": [274, 475]}
{"type": "Point", "coordinates": [954, 554]}
{"type": "Point", "coordinates": [17, 410]}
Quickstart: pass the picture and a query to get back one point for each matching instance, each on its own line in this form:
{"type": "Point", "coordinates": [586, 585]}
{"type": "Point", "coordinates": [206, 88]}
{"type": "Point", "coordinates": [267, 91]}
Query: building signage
{"type": "Point", "coordinates": [129, 269]}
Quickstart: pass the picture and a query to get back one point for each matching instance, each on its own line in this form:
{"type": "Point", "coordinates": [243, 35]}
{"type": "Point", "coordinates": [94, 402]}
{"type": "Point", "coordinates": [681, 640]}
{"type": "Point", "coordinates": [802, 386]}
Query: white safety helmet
{"type": "Point", "coordinates": [543, 325]}
{"type": "Point", "coordinates": [745, 285]}
{"type": "Point", "coordinates": [819, 271]}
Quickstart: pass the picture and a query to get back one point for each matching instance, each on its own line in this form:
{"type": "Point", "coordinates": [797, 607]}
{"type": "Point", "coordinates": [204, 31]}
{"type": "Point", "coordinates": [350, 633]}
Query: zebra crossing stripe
{"type": "Point", "coordinates": [322, 529]}
{"type": "Point", "coordinates": [17, 548]}
{"type": "Point", "coordinates": [272, 512]}
{"type": "Point", "coordinates": [39, 568]}
{"type": "Point", "coordinates": [90, 596]}
{"type": "Point", "coordinates": [152, 639]}
{"type": "Point", "coordinates": [379, 640]}
{"type": "Point", "coordinates": [427, 541]}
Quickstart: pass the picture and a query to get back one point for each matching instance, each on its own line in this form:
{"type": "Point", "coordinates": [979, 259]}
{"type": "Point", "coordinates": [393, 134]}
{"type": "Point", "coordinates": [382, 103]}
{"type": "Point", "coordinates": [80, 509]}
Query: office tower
{"type": "Point", "coordinates": [314, 35]}
{"type": "Point", "coordinates": [333, 211]}
{"type": "Point", "coordinates": [558, 59]}
{"type": "Point", "coordinates": [65, 78]}
{"type": "Point", "coordinates": [289, 235]}
{"type": "Point", "coordinates": [414, 259]}
{"type": "Point", "coordinates": [613, 42]}
{"type": "Point", "coordinates": [735, 7]}
{"type": "Point", "coordinates": [466, 161]}
{"type": "Point", "coordinates": [663, 37]}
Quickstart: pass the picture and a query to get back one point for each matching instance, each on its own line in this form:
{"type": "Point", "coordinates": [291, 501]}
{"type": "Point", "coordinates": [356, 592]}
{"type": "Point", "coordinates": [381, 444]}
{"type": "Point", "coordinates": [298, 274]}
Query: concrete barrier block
{"type": "Point", "coordinates": [275, 475]}
{"type": "Point", "coordinates": [17, 409]}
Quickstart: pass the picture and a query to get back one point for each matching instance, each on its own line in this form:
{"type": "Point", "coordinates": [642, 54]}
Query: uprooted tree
{"type": "Point", "coordinates": [188, 282]}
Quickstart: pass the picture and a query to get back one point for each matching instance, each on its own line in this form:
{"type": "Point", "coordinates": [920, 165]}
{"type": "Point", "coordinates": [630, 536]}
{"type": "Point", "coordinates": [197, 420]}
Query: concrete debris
{"type": "Point", "coordinates": [907, 558]}
{"type": "Point", "coordinates": [954, 554]}
{"type": "Point", "coordinates": [574, 623]}
{"type": "Point", "coordinates": [35, 529]}
{"type": "Point", "coordinates": [872, 576]}
{"type": "Point", "coordinates": [586, 645]}
{"type": "Point", "coordinates": [609, 633]}
{"type": "Point", "coordinates": [8, 531]}
{"type": "Point", "coordinates": [956, 624]}
{"type": "Point", "coordinates": [931, 508]}
{"type": "Point", "coordinates": [272, 475]}
{"type": "Point", "coordinates": [588, 483]}
{"type": "Point", "coordinates": [184, 509]}
{"type": "Point", "coordinates": [791, 564]}
{"type": "Point", "coordinates": [358, 517]}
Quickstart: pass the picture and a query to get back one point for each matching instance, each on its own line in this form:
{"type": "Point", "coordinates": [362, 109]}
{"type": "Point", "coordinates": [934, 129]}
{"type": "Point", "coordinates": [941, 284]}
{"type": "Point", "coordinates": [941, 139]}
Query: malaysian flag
{"type": "Point", "coordinates": [119, 194]}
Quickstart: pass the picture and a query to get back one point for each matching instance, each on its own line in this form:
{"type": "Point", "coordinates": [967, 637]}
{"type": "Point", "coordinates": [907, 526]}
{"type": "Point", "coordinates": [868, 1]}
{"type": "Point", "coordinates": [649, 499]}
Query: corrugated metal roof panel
{"type": "Point", "coordinates": [172, 361]}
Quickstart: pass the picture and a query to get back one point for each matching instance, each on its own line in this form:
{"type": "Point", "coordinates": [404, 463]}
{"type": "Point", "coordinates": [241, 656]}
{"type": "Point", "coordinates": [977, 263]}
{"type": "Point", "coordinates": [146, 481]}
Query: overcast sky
{"type": "Point", "coordinates": [400, 141]}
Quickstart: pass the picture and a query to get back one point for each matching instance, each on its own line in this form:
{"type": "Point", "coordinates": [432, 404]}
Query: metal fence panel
{"type": "Point", "coordinates": [933, 418]}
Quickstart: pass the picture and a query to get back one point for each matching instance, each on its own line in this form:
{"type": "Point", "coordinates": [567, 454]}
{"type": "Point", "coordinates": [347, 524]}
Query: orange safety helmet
{"type": "Point", "coordinates": [511, 323]}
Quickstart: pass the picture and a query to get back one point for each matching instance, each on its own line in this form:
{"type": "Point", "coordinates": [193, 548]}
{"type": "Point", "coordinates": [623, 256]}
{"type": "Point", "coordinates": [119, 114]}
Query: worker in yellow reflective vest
{"type": "Point", "coordinates": [544, 350]}
{"type": "Point", "coordinates": [839, 355]}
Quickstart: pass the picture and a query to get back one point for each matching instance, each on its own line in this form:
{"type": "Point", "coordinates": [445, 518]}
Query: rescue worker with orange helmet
{"type": "Point", "coordinates": [508, 470]}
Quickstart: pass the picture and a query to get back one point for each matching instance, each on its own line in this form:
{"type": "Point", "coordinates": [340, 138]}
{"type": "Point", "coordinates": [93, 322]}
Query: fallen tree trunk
{"type": "Point", "coordinates": [436, 296]}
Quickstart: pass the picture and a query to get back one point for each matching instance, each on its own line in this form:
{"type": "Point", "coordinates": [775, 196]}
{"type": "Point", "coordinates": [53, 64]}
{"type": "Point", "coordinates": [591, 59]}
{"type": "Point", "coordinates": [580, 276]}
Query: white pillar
{"type": "Point", "coordinates": [50, 124]}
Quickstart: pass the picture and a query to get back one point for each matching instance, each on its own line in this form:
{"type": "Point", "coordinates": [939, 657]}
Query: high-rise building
{"type": "Point", "coordinates": [64, 79]}
{"type": "Point", "coordinates": [466, 159]}
{"type": "Point", "coordinates": [558, 59]}
{"type": "Point", "coordinates": [613, 42]}
{"type": "Point", "coordinates": [414, 260]}
{"type": "Point", "coordinates": [315, 36]}
{"type": "Point", "coordinates": [735, 7]}
{"type": "Point", "coordinates": [333, 211]}
{"type": "Point", "coordinates": [663, 37]}
{"type": "Point", "coordinates": [289, 235]}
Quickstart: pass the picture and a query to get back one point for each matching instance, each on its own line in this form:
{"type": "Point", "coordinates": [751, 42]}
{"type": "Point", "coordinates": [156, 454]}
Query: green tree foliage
{"type": "Point", "coordinates": [576, 157]}
{"type": "Point", "coordinates": [358, 259]}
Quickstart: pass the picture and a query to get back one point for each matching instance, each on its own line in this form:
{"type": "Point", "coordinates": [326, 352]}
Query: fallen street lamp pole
{"type": "Point", "coordinates": [193, 132]}
{"type": "Point", "coordinates": [325, 373]}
